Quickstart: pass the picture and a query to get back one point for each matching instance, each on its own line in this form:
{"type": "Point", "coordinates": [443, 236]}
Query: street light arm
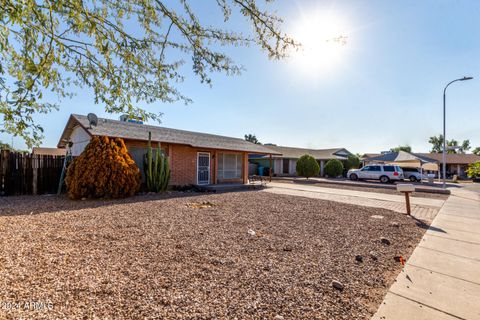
{"type": "Point", "coordinates": [444, 90]}
{"type": "Point", "coordinates": [459, 79]}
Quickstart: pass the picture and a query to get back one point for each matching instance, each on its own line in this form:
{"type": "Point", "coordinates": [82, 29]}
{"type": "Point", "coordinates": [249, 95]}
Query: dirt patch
{"type": "Point", "coordinates": [200, 205]}
{"type": "Point", "coordinates": [249, 255]}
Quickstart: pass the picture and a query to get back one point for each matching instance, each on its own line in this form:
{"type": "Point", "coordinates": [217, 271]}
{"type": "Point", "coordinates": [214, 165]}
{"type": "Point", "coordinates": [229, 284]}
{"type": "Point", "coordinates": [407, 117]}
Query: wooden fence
{"type": "Point", "coordinates": [24, 173]}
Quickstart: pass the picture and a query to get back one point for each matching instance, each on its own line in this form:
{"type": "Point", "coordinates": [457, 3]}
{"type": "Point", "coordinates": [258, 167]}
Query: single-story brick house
{"type": "Point", "coordinates": [285, 161]}
{"type": "Point", "coordinates": [195, 158]}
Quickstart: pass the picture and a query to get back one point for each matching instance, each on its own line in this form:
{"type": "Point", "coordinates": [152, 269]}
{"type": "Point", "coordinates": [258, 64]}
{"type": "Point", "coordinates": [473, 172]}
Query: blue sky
{"type": "Point", "coordinates": [384, 88]}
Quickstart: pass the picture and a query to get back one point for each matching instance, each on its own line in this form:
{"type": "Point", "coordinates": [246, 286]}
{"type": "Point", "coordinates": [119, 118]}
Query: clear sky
{"type": "Point", "coordinates": [381, 89]}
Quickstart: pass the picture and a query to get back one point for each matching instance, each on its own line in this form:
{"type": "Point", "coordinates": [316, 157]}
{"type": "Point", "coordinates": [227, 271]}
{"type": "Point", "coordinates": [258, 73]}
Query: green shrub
{"type": "Point", "coordinates": [333, 168]}
{"type": "Point", "coordinates": [307, 166]}
{"type": "Point", "coordinates": [473, 170]}
{"type": "Point", "coordinates": [157, 168]}
{"type": "Point", "coordinates": [353, 162]}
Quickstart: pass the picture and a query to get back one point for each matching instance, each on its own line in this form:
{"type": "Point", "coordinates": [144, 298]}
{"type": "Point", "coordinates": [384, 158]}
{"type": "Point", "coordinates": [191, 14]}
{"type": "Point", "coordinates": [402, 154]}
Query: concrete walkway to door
{"type": "Point", "coordinates": [441, 280]}
{"type": "Point", "coordinates": [422, 208]}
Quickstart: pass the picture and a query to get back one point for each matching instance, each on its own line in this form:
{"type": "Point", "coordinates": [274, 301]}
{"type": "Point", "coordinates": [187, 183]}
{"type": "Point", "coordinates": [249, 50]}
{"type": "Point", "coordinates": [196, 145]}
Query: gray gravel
{"type": "Point", "coordinates": [193, 257]}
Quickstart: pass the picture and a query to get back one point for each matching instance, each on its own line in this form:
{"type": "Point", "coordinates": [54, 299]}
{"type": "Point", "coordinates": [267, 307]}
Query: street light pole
{"type": "Point", "coordinates": [444, 155]}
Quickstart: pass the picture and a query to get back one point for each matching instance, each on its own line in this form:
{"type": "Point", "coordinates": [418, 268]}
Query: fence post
{"type": "Point", "coordinates": [34, 174]}
{"type": "Point", "coordinates": [3, 170]}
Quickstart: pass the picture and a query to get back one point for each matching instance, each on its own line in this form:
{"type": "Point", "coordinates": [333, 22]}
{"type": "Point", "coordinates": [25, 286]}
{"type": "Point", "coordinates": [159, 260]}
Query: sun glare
{"type": "Point", "coordinates": [323, 39]}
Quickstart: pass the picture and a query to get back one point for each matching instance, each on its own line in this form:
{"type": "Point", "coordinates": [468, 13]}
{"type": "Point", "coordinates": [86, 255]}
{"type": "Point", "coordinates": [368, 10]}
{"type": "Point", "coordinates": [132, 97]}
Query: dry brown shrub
{"type": "Point", "coordinates": [105, 169]}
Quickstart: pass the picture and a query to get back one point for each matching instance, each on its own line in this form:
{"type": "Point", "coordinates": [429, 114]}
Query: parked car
{"type": "Point", "coordinates": [412, 174]}
{"type": "Point", "coordinates": [384, 173]}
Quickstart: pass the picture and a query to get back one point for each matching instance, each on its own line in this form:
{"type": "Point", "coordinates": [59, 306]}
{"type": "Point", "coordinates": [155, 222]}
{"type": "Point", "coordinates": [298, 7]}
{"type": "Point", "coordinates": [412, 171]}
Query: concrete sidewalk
{"type": "Point", "coordinates": [422, 208]}
{"type": "Point", "coordinates": [441, 280]}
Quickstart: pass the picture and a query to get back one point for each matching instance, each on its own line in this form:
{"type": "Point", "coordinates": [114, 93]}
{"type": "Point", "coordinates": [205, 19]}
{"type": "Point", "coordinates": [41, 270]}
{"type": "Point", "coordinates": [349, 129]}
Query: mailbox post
{"type": "Point", "coordinates": [406, 189]}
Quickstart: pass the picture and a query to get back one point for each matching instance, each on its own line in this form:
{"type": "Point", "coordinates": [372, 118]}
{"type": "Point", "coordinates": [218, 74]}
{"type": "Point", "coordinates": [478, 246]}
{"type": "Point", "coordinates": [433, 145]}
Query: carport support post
{"type": "Point", "coordinates": [270, 169]}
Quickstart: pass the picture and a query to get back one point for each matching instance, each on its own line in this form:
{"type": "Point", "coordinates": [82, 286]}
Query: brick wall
{"type": "Point", "coordinates": [183, 162]}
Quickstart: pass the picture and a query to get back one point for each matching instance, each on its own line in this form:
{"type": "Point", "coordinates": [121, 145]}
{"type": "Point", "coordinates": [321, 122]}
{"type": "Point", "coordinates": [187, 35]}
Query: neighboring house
{"type": "Point", "coordinates": [457, 163]}
{"type": "Point", "coordinates": [369, 155]}
{"type": "Point", "coordinates": [48, 151]}
{"type": "Point", "coordinates": [195, 158]}
{"type": "Point", "coordinates": [285, 163]}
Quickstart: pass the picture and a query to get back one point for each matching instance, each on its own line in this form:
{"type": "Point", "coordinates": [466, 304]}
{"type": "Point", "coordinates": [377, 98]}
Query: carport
{"type": "Point", "coordinates": [405, 159]}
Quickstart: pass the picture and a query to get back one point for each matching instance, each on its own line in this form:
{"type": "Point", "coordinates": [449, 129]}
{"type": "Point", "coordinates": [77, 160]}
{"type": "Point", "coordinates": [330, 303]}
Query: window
{"type": "Point", "coordinates": [229, 166]}
{"type": "Point", "coordinates": [375, 168]}
{"type": "Point", "coordinates": [389, 168]}
{"type": "Point", "coordinates": [367, 168]}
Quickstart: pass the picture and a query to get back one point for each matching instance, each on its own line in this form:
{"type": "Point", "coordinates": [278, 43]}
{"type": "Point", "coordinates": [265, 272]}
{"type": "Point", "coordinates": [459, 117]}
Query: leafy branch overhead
{"type": "Point", "coordinates": [126, 52]}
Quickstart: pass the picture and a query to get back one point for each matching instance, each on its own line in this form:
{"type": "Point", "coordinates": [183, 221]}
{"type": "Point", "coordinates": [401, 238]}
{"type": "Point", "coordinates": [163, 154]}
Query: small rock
{"type": "Point", "coordinates": [251, 232]}
{"type": "Point", "coordinates": [278, 317]}
{"type": "Point", "coordinates": [376, 216]}
{"type": "Point", "coordinates": [395, 224]}
{"type": "Point", "coordinates": [385, 241]}
{"type": "Point", "coordinates": [358, 258]}
{"type": "Point", "coordinates": [83, 199]}
{"type": "Point", "coordinates": [373, 255]}
{"type": "Point", "coordinates": [337, 285]}
{"type": "Point", "coordinates": [287, 248]}
{"type": "Point", "coordinates": [218, 262]}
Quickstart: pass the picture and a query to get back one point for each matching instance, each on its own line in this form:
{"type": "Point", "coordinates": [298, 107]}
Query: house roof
{"type": "Point", "coordinates": [319, 154]}
{"type": "Point", "coordinates": [401, 156]}
{"type": "Point", "coordinates": [369, 155]}
{"type": "Point", "coordinates": [453, 158]}
{"type": "Point", "coordinates": [49, 151]}
{"type": "Point", "coordinates": [136, 131]}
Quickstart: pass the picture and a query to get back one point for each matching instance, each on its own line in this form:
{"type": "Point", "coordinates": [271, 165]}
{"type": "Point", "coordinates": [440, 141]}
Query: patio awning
{"type": "Point", "coordinates": [405, 159]}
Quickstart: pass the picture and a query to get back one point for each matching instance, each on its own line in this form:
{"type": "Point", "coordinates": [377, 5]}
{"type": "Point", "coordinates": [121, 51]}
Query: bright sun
{"type": "Point", "coordinates": [323, 39]}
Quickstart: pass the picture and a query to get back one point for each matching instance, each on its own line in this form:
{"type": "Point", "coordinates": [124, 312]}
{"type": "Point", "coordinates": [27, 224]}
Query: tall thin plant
{"type": "Point", "coordinates": [157, 168]}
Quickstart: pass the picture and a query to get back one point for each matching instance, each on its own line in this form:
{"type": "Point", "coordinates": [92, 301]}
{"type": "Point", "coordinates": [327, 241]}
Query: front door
{"type": "Point", "coordinates": [285, 166]}
{"type": "Point", "coordinates": [203, 168]}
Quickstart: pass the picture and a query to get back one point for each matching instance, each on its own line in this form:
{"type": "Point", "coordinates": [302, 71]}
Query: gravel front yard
{"type": "Point", "coordinates": [244, 255]}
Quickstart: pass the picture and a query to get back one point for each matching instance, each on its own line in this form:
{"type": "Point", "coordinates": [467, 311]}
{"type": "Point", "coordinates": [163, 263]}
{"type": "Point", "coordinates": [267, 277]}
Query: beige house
{"type": "Point", "coordinates": [285, 163]}
{"type": "Point", "coordinates": [457, 163]}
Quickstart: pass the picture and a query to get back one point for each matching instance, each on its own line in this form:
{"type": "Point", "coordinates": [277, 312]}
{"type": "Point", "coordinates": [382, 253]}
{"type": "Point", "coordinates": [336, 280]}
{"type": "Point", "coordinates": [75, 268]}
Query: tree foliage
{"type": "Point", "coordinates": [353, 162]}
{"type": "Point", "coordinates": [473, 170]}
{"type": "Point", "coordinates": [405, 148]}
{"type": "Point", "coordinates": [333, 168]}
{"type": "Point", "coordinates": [5, 146]}
{"type": "Point", "coordinates": [307, 166]}
{"type": "Point", "coordinates": [437, 145]}
{"type": "Point", "coordinates": [126, 52]}
{"type": "Point", "coordinates": [252, 138]}
{"type": "Point", "coordinates": [476, 151]}
{"type": "Point", "coordinates": [103, 170]}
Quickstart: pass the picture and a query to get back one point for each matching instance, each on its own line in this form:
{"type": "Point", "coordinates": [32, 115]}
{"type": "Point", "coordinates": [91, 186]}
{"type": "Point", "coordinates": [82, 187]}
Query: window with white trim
{"type": "Point", "coordinates": [229, 166]}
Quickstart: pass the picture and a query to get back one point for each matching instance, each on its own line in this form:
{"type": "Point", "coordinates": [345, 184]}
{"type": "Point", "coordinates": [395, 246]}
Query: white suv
{"type": "Point", "coordinates": [384, 173]}
{"type": "Point", "coordinates": [412, 174]}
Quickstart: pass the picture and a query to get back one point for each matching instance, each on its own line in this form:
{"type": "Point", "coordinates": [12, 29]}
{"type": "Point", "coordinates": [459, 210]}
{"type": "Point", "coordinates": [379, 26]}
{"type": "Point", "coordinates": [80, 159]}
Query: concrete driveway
{"type": "Point", "coordinates": [422, 208]}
